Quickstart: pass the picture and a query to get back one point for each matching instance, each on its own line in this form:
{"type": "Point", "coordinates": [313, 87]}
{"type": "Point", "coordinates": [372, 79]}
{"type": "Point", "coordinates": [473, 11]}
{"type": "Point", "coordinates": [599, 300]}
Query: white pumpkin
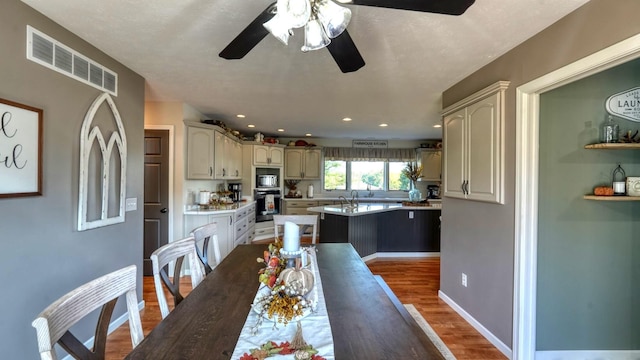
{"type": "Point", "coordinates": [302, 278]}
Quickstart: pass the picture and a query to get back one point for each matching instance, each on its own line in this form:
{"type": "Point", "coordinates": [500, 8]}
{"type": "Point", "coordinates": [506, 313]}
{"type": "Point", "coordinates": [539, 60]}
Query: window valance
{"type": "Point", "coordinates": [366, 154]}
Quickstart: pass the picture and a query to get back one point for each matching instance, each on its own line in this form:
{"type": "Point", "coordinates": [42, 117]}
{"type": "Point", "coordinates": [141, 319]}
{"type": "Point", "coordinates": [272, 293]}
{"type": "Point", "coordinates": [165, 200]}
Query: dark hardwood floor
{"type": "Point", "coordinates": [414, 281]}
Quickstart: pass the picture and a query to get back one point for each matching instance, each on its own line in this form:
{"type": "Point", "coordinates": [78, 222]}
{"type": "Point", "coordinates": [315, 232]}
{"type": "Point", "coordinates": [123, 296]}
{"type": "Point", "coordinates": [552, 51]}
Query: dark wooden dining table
{"type": "Point", "coordinates": [367, 320]}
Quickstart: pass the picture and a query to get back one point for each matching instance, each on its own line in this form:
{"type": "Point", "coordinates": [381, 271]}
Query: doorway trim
{"type": "Point", "coordinates": [171, 130]}
{"type": "Point", "coordinates": [526, 197]}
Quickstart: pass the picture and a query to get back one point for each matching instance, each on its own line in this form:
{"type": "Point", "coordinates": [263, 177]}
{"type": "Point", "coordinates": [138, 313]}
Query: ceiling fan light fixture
{"type": "Point", "coordinates": [279, 28]}
{"type": "Point", "coordinates": [334, 18]}
{"type": "Point", "coordinates": [314, 36]}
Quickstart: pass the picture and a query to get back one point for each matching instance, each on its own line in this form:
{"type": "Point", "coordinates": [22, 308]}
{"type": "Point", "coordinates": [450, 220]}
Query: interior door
{"type": "Point", "coordinates": [156, 193]}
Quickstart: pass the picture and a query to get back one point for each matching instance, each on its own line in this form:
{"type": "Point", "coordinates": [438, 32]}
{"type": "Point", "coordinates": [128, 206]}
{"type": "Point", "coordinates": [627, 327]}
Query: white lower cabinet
{"type": "Point", "coordinates": [233, 228]}
{"type": "Point", "coordinates": [245, 225]}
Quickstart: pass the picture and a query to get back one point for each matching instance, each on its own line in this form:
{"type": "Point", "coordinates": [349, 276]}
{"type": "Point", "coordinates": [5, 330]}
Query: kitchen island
{"type": "Point", "coordinates": [382, 229]}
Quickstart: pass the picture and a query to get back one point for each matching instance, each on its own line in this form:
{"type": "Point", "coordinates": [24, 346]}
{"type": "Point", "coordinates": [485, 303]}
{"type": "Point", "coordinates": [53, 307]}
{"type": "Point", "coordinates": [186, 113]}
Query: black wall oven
{"type": "Point", "coordinates": [267, 204]}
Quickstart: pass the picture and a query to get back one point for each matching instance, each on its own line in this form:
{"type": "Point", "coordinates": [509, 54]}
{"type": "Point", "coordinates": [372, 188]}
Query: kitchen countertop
{"type": "Point", "coordinates": [364, 209]}
{"type": "Point", "coordinates": [361, 199]}
{"type": "Point", "coordinates": [224, 209]}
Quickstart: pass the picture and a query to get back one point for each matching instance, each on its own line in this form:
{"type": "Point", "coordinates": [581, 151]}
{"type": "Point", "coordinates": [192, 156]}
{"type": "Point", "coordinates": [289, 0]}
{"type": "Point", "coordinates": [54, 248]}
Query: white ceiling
{"type": "Point", "coordinates": [411, 58]}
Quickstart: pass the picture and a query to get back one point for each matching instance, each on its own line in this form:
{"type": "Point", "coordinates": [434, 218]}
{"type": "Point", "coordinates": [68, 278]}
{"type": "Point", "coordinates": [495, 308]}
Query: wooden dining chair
{"type": "Point", "coordinates": [174, 253]}
{"type": "Point", "coordinates": [53, 324]}
{"type": "Point", "coordinates": [204, 235]}
{"type": "Point", "coordinates": [304, 221]}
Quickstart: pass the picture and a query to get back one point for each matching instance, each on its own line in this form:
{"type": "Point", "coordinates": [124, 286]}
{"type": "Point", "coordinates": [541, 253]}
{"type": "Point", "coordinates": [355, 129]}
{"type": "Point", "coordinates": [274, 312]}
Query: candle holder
{"type": "Point", "coordinates": [618, 183]}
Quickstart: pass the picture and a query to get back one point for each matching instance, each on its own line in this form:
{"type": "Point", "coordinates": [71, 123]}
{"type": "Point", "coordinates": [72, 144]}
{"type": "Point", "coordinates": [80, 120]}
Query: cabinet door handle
{"type": "Point", "coordinates": [466, 187]}
{"type": "Point", "coordinates": [210, 170]}
{"type": "Point", "coordinates": [462, 187]}
{"type": "Point", "coordinates": [224, 172]}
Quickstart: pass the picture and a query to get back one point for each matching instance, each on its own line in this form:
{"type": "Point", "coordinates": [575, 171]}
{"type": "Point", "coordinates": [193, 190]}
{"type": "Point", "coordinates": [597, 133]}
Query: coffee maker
{"type": "Point", "coordinates": [236, 192]}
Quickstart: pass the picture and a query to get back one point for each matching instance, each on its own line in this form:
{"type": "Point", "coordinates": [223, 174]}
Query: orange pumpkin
{"type": "Point", "coordinates": [603, 191]}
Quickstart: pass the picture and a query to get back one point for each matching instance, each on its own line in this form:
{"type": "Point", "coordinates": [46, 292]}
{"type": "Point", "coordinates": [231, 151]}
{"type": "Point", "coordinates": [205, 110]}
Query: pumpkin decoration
{"type": "Point", "coordinates": [299, 279]}
{"type": "Point", "coordinates": [603, 191]}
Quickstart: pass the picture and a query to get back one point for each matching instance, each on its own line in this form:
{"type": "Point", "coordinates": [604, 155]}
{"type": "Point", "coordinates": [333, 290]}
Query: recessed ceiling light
{"type": "Point", "coordinates": [383, 125]}
{"type": "Point", "coordinates": [307, 134]}
{"type": "Point", "coordinates": [346, 119]}
{"type": "Point", "coordinates": [437, 126]}
{"type": "Point", "coordinates": [280, 130]}
{"type": "Point", "coordinates": [251, 126]}
{"type": "Point", "coordinates": [240, 116]}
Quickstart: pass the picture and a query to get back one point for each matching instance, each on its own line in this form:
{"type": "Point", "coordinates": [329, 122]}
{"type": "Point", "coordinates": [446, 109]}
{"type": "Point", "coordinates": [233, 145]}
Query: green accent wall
{"type": "Point", "coordinates": [588, 290]}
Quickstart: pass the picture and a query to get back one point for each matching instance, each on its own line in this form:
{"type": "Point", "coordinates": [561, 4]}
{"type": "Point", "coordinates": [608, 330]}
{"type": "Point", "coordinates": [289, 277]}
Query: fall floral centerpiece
{"type": "Point", "coordinates": [280, 300]}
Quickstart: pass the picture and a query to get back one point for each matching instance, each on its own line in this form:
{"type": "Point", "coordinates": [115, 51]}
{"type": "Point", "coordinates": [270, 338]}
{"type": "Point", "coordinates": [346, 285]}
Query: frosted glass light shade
{"type": "Point", "coordinates": [279, 28]}
{"type": "Point", "coordinates": [333, 17]}
{"type": "Point", "coordinates": [314, 36]}
{"type": "Point", "coordinates": [294, 12]}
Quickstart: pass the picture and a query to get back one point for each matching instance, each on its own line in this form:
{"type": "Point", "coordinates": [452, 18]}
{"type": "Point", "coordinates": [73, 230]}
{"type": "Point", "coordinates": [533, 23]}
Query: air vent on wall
{"type": "Point", "coordinates": [48, 52]}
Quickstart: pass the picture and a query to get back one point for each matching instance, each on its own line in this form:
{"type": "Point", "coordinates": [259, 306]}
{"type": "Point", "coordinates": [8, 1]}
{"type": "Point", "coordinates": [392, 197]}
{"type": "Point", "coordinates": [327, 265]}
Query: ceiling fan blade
{"type": "Point", "coordinates": [345, 53]}
{"type": "Point", "coordinates": [449, 7]}
{"type": "Point", "coordinates": [250, 36]}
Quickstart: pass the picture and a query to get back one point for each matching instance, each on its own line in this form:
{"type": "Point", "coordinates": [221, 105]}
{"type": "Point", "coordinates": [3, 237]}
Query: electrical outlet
{"type": "Point", "coordinates": [131, 204]}
{"type": "Point", "coordinates": [410, 214]}
{"type": "Point", "coordinates": [464, 279]}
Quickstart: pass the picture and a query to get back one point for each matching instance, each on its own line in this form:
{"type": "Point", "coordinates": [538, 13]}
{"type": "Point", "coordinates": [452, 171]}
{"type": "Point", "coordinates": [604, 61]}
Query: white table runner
{"type": "Point", "coordinates": [316, 329]}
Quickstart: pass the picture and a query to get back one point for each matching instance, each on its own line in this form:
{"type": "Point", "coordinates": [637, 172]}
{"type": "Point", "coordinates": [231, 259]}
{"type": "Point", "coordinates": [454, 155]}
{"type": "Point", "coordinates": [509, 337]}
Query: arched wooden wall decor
{"type": "Point", "coordinates": [88, 136]}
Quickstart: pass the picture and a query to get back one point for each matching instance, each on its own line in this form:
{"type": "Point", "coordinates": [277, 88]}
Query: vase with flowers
{"type": "Point", "coordinates": [413, 172]}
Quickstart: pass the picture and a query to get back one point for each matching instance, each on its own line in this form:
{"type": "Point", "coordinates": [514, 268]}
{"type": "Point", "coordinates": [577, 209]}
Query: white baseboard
{"type": "Point", "coordinates": [401, 255]}
{"type": "Point", "coordinates": [112, 327]}
{"type": "Point", "coordinates": [588, 355]}
{"type": "Point", "coordinates": [477, 325]}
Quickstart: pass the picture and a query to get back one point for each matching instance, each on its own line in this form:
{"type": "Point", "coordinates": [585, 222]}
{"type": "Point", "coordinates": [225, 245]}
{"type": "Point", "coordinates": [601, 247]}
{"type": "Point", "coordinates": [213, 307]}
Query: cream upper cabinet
{"type": "Point", "coordinates": [220, 168]}
{"type": "Point", "coordinates": [302, 163]}
{"type": "Point", "coordinates": [236, 164]}
{"type": "Point", "coordinates": [473, 145]}
{"type": "Point", "coordinates": [228, 157]}
{"type": "Point", "coordinates": [268, 155]}
{"type": "Point", "coordinates": [431, 161]}
{"type": "Point", "coordinates": [200, 153]}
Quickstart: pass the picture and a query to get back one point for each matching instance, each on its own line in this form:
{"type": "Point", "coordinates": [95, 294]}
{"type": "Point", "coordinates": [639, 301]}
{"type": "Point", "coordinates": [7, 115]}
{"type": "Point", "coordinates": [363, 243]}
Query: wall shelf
{"type": "Point", "coordinates": [614, 146]}
{"type": "Point", "coordinates": [612, 198]}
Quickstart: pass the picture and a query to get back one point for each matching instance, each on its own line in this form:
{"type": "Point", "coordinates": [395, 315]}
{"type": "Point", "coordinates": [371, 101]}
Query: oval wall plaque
{"type": "Point", "coordinates": [625, 104]}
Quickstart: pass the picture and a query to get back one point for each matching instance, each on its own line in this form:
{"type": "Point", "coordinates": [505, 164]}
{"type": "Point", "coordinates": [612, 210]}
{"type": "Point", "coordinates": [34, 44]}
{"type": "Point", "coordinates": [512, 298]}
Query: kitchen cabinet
{"type": "Point", "coordinates": [228, 157]}
{"type": "Point", "coordinates": [302, 163]}
{"type": "Point", "coordinates": [245, 224]}
{"type": "Point", "coordinates": [270, 155]}
{"type": "Point", "coordinates": [473, 145]}
{"type": "Point", "coordinates": [200, 153]}
{"type": "Point", "coordinates": [224, 223]}
{"type": "Point", "coordinates": [431, 161]}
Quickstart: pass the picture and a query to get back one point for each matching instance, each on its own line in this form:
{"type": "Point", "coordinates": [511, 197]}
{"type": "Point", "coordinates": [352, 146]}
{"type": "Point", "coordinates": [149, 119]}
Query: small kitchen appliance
{"type": "Point", "coordinates": [266, 181]}
{"type": "Point", "coordinates": [433, 191]}
{"type": "Point", "coordinates": [236, 192]}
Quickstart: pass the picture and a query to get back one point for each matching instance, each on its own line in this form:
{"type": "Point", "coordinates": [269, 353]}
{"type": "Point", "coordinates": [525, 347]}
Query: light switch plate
{"type": "Point", "coordinates": [131, 204]}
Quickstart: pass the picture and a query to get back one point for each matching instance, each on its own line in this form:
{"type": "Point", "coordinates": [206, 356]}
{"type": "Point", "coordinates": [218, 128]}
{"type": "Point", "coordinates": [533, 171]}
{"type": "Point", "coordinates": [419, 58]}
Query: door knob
{"type": "Point", "coordinates": [163, 210]}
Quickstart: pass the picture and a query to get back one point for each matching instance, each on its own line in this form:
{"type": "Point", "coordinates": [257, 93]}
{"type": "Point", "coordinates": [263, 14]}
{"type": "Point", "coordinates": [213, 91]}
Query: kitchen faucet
{"type": "Point", "coordinates": [342, 198]}
{"type": "Point", "coordinates": [354, 197]}
{"type": "Point", "coordinates": [370, 194]}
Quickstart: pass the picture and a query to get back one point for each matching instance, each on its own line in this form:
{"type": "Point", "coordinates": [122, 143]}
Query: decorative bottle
{"type": "Point", "coordinates": [610, 131]}
{"type": "Point", "coordinates": [414, 194]}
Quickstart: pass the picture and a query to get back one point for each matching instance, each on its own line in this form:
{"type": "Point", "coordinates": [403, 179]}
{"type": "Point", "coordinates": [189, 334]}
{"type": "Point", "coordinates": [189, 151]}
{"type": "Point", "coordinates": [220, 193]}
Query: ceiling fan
{"type": "Point", "coordinates": [325, 25]}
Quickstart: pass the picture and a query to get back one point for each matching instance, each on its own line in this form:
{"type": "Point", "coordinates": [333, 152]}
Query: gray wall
{"type": "Point", "coordinates": [588, 272]}
{"type": "Point", "coordinates": [478, 238]}
{"type": "Point", "coordinates": [42, 255]}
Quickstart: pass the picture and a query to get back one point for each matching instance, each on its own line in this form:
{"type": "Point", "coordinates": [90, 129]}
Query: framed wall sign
{"type": "Point", "coordinates": [20, 150]}
{"type": "Point", "coordinates": [625, 104]}
{"type": "Point", "coordinates": [372, 144]}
